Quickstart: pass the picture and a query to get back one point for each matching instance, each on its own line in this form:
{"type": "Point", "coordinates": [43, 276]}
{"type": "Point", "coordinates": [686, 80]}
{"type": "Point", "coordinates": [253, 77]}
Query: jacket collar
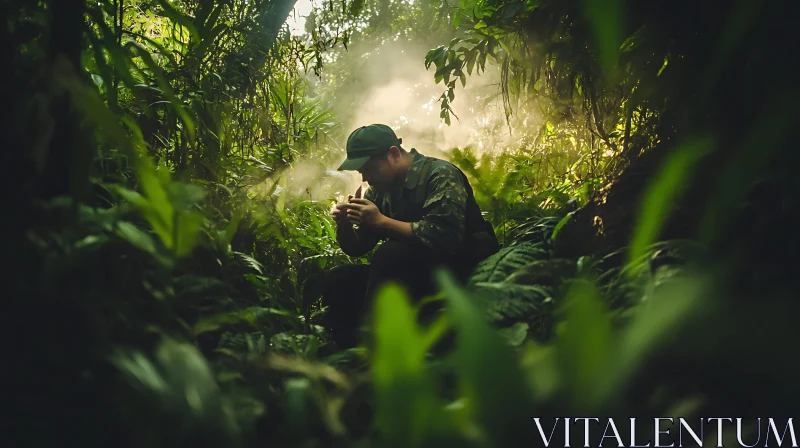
{"type": "Point", "coordinates": [415, 170]}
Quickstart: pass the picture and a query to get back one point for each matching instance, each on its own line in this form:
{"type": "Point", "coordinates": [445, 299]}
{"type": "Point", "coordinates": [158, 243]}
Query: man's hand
{"type": "Point", "coordinates": [339, 211]}
{"type": "Point", "coordinates": [364, 213]}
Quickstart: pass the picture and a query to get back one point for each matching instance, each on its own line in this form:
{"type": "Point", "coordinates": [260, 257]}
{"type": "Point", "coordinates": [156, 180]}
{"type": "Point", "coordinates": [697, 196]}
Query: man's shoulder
{"type": "Point", "coordinates": [444, 169]}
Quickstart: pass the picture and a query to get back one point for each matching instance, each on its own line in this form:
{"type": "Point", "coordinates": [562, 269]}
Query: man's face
{"type": "Point", "coordinates": [379, 172]}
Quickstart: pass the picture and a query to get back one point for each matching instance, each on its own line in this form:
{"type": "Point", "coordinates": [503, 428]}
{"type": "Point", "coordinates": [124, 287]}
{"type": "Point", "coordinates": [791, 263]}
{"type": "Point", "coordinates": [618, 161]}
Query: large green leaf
{"type": "Point", "coordinates": [606, 19]}
{"type": "Point", "coordinates": [657, 201]}
{"type": "Point", "coordinates": [136, 236]}
{"type": "Point", "coordinates": [176, 387]}
{"type": "Point", "coordinates": [187, 231]}
{"type": "Point", "coordinates": [585, 340]}
{"type": "Point", "coordinates": [677, 302]}
{"type": "Point", "coordinates": [407, 406]}
{"type": "Point", "coordinates": [491, 378]}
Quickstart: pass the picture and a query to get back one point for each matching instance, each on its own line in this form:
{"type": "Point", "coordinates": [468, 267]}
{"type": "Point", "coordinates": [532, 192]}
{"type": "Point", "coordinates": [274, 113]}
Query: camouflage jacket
{"type": "Point", "coordinates": [439, 222]}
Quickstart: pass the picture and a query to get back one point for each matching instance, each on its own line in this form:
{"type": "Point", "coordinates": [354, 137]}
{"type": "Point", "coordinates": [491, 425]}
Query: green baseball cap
{"type": "Point", "coordinates": [366, 142]}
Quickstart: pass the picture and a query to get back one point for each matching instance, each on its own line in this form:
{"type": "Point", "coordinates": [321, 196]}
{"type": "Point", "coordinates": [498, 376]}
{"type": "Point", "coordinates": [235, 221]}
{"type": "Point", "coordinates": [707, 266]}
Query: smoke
{"type": "Point", "coordinates": [388, 83]}
{"type": "Point", "coordinates": [307, 179]}
{"type": "Point", "coordinates": [394, 88]}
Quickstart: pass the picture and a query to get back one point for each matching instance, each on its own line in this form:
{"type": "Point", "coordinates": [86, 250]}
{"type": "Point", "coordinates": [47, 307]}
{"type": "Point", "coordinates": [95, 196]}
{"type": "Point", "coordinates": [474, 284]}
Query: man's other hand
{"type": "Point", "coordinates": [339, 214]}
{"type": "Point", "coordinates": [364, 213]}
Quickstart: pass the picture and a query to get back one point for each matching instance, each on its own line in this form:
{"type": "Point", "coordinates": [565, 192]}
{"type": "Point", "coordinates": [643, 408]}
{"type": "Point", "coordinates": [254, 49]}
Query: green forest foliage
{"type": "Point", "coordinates": [167, 174]}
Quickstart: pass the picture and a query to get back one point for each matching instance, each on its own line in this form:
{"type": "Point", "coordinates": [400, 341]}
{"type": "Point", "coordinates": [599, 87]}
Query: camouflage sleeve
{"type": "Point", "coordinates": [369, 239]}
{"type": "Point", "coordinates": [442, 225]}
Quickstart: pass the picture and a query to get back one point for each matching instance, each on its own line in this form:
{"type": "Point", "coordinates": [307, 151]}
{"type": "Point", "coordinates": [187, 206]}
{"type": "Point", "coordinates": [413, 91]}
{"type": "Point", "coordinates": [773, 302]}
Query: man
{"type": "Point", "coordinates": [425, 210]}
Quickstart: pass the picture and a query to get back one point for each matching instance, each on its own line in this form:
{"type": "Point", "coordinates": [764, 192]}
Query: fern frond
{"type": "Point", "coordinates": [252, 262]}
{"type": "Point", "coordinates": [506, 261]}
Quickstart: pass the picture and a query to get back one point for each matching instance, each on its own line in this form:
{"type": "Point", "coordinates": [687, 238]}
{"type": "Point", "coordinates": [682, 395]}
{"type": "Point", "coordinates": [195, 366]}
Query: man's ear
{"type": "Point", "coordinates": [394, 153]}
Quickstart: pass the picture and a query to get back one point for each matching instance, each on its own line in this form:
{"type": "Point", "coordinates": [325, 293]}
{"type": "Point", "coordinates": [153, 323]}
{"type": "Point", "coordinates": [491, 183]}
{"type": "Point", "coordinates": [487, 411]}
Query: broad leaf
{"type": "Point", "coordinates": [407, 406]}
